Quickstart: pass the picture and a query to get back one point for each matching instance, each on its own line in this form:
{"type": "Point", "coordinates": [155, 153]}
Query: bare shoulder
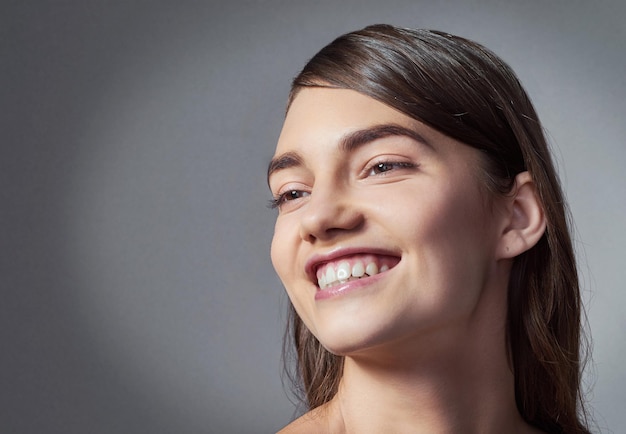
{"type": "Point", "coordinates": [302, 425]}
{"type": "Point", "coordinates": [317, 421]}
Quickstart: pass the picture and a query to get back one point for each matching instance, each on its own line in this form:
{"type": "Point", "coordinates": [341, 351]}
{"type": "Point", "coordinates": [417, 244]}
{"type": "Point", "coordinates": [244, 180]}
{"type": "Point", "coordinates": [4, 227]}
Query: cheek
{"type": "Point", "coordinates": [283, 252]}
{"type": "Point", "coordinates": [451, 235]}
{"type": "Point", "coordinates": [278, 250]}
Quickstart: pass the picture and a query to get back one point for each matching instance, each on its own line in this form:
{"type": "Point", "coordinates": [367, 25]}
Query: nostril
{"type": "Point", "coordinates": [327, 220]}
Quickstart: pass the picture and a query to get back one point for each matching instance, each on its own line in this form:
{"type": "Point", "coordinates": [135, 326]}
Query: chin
{"type": "Point", "coordinates": [354, 338]}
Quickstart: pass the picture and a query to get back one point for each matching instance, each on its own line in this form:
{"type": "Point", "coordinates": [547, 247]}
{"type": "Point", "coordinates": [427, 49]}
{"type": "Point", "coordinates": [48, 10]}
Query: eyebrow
{"type": "Point", "coordinates": [348, 143]}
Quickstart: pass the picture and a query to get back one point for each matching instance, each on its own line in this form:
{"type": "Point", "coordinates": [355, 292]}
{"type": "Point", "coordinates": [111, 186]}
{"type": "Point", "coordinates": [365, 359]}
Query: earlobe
{"type": "Point", "coordinates": [525, 221]}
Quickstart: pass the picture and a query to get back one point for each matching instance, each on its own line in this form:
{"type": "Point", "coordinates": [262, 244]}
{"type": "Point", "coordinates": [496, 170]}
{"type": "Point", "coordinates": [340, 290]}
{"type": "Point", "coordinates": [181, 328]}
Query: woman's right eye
{"type": "Point", "coordinates": [287, 196]}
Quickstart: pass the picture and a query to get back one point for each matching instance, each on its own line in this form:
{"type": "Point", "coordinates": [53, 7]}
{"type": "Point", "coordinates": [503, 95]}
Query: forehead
{"type": "Point", "coordinates": [323, 121]}
{"type": "Point", "coordinates": [325, 114]}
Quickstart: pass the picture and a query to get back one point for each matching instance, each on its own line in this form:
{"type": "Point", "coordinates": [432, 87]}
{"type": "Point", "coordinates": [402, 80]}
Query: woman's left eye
{"type": "Point", "coordinates": [386, 166]}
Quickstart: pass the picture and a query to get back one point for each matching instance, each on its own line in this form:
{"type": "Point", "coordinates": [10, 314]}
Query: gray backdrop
{"type": "Point", "coordinates": [137, 293]}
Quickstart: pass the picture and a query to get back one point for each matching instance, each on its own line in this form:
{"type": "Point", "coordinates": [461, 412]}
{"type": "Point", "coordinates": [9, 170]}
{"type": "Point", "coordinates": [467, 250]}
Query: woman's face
{"type": "Point", "coordinates": [383, 231]}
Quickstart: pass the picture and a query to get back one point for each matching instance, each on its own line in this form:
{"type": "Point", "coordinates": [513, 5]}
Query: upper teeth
{"type": "Point", "coordinates": [343, 272]}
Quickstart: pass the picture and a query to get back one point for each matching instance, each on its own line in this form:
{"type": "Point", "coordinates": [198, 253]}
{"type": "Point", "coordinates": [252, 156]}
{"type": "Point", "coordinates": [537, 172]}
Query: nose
{"type": "Point", "coordinates": [328, 214]}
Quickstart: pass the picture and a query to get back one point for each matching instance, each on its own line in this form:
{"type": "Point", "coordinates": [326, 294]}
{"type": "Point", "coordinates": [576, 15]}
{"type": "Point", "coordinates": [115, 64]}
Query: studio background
{"type": "Point", "coordinates": [137, 294]}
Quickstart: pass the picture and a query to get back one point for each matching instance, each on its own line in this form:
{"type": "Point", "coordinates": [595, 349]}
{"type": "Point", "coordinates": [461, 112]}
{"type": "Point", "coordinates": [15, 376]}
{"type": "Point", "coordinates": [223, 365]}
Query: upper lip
{"type": "Point", "coordinates": [313, 263]}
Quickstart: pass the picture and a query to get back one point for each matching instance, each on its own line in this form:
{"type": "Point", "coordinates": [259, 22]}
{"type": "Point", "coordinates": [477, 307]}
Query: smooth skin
{"type": "Point", "coordinates": [424, 342]}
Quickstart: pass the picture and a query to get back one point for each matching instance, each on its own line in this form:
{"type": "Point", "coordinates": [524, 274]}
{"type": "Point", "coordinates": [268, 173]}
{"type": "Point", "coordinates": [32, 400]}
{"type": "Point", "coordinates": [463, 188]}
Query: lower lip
{"type": "Point", "coordinates": [348, 287]}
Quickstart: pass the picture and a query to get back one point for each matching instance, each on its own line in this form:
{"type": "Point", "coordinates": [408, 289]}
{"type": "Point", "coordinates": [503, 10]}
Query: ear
{"type": "Point", "coordinates": [524, 220]}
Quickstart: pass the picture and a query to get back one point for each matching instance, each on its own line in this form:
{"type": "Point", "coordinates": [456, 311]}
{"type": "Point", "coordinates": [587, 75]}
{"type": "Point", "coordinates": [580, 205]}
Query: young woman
{"type": "Point", "coordinates": [423, 241]}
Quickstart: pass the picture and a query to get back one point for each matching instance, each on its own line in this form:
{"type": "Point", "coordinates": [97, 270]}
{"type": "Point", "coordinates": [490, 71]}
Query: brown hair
{"type": "Point", "coordinates": [468, 93]}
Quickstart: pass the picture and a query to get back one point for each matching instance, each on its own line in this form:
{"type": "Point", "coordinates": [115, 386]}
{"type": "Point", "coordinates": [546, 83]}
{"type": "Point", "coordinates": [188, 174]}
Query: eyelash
{"type": "Point", "coordinates": [280, 199]}
{"type": "Point", "coordinates": [393, 164]}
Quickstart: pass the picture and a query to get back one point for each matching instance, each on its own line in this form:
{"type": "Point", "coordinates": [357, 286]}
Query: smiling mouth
{"type": "Point", "coordinates": [354, 268]}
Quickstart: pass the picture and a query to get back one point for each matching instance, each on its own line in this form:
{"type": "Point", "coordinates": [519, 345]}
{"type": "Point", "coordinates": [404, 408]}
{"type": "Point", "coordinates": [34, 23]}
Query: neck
{"type": "Point", "coordinates": [452, 381]}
